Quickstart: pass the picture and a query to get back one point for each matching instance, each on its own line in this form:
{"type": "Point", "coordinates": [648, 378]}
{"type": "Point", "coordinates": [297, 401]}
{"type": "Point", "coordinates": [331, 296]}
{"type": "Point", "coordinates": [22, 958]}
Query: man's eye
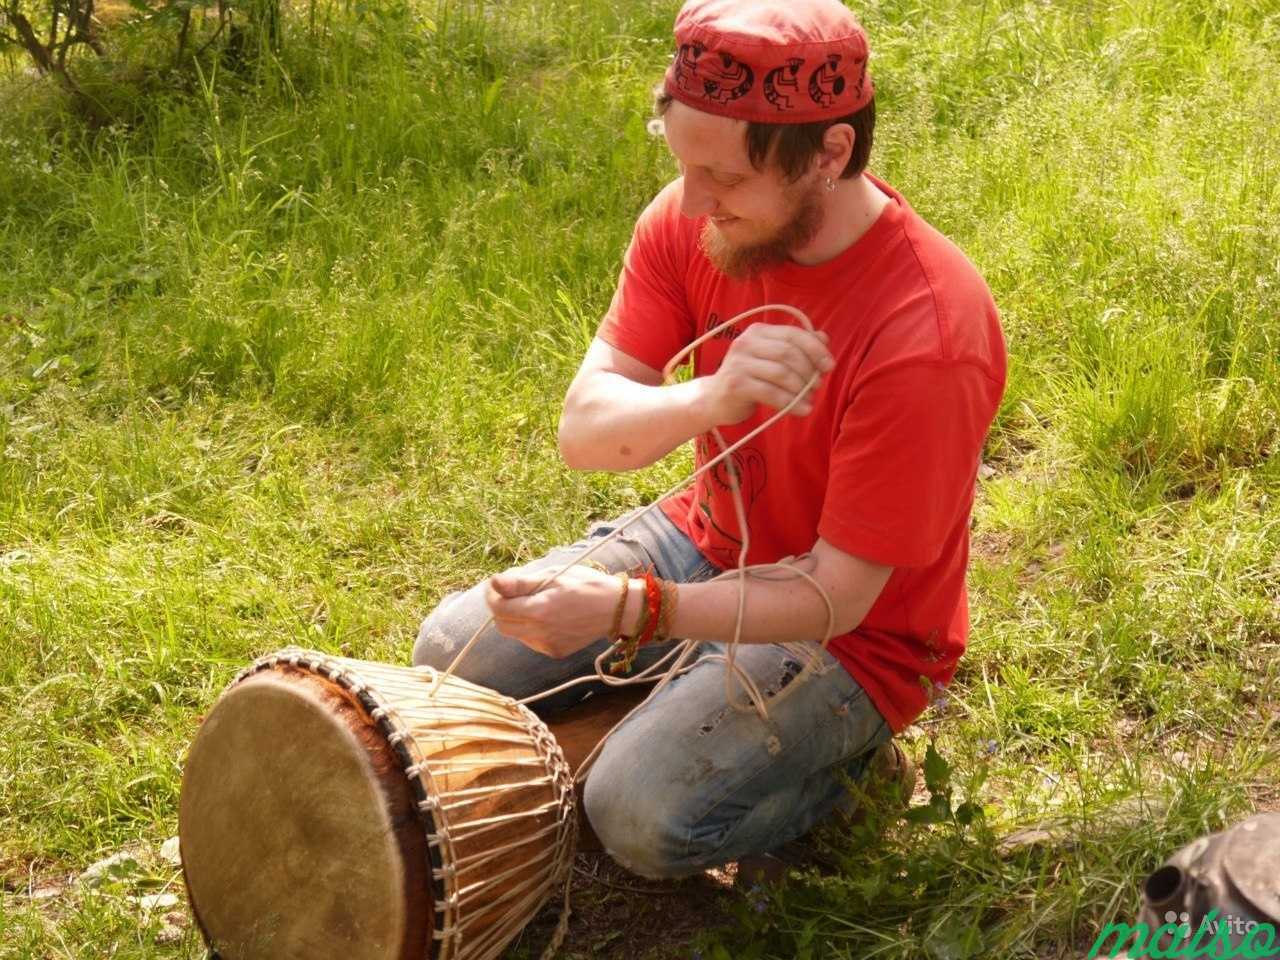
{"type": "Point", "coordinates": [726, 181]}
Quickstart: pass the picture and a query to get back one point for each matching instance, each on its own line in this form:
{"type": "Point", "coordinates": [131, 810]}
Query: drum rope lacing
{"type": "Point", "coordinates": [682, 652]}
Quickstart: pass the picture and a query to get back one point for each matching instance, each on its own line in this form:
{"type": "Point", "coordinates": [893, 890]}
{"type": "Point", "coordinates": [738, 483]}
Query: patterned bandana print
{"type": "Point", "coordinates": [770, 61]}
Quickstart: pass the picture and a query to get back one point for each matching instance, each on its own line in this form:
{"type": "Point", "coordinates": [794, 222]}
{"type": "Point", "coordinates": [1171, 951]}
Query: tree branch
{"type": "Point", "coordinates": [87, 31]}
{"type": "Point", "coordinates": [79, 30]}
{"type": "Point", "coordinates": [222, 22]}
{"type": "Point", "coordinates": [30, 42]}
{"type": "Point", "coordinates": [182, 37]}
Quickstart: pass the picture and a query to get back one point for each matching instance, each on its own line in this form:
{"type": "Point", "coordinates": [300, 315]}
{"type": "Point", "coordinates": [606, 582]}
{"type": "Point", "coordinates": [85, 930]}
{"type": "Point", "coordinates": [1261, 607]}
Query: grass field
{"type": "Point", "coordinates": [282, 356]}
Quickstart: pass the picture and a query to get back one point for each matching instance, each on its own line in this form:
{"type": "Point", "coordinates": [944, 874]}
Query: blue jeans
{"type": "Point", "coordinates": [687, 782]}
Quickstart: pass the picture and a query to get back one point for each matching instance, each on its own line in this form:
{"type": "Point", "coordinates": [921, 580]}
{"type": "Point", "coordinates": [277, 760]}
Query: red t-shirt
{"type": "Point", "coordinates": [885, 466]}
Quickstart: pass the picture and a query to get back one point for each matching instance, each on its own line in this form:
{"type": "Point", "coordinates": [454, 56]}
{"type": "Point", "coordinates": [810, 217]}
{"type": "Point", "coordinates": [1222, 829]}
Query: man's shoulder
{"type": "Point", "coordinates": [943, 311]}
{"type": "Point", "coordinates": [662, 214]}
{"type": "Point", "coordinates": [663, 236]}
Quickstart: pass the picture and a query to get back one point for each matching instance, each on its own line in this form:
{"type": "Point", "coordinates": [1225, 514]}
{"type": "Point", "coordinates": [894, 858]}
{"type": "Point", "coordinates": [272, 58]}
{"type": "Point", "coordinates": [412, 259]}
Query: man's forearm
{"type": "Point", "coordinates": [618, 424]}
{"type": "Point", "coordinates": [776, 611]}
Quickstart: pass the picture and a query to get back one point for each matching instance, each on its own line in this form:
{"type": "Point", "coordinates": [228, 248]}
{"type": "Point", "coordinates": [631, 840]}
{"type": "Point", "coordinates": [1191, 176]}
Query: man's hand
{"type": "Point", "coordinates": [770, 363]}
{"type": "Point", "coordinates": [570, 613]}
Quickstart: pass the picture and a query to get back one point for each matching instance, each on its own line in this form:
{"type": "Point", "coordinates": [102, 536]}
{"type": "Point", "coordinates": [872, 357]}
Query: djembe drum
{"type": "Point", "coordinates": [334, 808]}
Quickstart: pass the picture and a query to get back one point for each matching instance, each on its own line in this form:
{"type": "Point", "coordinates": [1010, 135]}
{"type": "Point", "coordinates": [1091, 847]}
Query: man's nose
{"type": "Point", "coordinates": [696, 199]}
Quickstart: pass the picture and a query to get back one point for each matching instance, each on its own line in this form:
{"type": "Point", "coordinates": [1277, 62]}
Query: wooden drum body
{"type": "Point", "coordinates": [335, 809]}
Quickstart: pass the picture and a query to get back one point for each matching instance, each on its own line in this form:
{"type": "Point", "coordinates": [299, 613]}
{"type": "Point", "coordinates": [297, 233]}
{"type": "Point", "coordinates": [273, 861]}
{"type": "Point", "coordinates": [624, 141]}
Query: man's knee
{"type": "Point", "coordinates": [440, 635]}
{"type": "Point", "coordinates": [641, 824]}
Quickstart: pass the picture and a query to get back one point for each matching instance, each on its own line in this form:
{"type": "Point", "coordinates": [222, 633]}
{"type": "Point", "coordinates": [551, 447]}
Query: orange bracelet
{"type": "Point", "coordinates": [653, 603]}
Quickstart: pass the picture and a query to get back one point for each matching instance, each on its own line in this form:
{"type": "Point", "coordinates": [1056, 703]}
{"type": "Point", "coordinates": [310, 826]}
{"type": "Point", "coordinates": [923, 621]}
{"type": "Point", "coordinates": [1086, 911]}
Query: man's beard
{"type": "Point", "coordinates": [742, 262]}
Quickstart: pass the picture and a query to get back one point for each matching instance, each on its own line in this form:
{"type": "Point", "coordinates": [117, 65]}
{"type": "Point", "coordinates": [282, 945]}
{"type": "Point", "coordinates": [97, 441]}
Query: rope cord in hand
{"type": "Point", "coordinates": [683, 652]}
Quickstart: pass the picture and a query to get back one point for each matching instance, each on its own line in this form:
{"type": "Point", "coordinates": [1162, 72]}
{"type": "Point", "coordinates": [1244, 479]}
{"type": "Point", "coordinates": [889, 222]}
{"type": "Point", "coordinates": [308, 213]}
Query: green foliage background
{"type": "Point", "coordinates": [281, 360]}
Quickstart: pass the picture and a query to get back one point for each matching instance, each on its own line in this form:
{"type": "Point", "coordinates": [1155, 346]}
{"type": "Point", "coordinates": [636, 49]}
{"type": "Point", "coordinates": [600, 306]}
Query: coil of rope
{"type": "Point", "coordinates": [684, 650]}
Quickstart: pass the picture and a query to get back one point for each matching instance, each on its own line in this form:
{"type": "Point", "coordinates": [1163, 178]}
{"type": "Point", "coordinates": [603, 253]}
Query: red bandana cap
{"type": "Point", "coordinates": [771, 61]}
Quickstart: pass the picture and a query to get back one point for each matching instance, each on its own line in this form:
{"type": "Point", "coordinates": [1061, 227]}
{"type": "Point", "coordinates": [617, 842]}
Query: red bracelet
{"type": "Point", "coordinates": [653, 597]}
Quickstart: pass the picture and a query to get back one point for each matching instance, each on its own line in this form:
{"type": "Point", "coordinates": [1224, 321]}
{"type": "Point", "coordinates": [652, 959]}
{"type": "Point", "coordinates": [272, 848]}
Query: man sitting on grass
{"type": "Point", "coordinates": [768, 109]}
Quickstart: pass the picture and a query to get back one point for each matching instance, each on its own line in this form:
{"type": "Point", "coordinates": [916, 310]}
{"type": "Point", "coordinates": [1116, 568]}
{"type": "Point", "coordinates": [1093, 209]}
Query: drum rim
{"type": "Point", "coordinates": [328, 667]}
{"type": "Point", "coordinates": [360, 703]}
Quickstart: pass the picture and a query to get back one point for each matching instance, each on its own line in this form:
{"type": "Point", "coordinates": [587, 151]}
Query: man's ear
{"type": "Point", "coordinates": [837, 148]}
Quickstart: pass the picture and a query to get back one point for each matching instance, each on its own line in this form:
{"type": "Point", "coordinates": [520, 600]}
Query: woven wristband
{"type": "Point", "coordinates": [670, 597]}
{"type": "Point", "coordinates": [627, 645]}
{"type": "Point", "coordinates": [615, 631]}
{"type": "Point", "coordinates": [642, 620]}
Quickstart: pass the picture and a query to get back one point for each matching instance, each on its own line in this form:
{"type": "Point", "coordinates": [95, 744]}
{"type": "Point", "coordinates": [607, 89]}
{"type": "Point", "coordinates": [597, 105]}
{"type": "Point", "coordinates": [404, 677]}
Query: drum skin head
{"type": "Point", "coordinates": [299, 832]}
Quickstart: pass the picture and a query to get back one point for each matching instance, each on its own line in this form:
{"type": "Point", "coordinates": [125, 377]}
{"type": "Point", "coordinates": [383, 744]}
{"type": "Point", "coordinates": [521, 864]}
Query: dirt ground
{"type": "Point", "coordinates": [618, 915]}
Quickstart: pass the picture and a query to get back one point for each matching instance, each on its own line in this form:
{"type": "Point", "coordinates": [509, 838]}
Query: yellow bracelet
{"type": "Point", "coordinates": [670, 598]}
{"type": "Point", "coordinates": [615, 631]}
{"type": "Point", "coordinates": [628, 645]}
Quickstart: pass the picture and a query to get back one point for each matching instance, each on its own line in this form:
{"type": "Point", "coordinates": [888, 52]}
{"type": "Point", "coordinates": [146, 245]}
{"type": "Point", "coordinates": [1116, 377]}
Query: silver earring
{"type": "Point", "coordinates": [831, 184]}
